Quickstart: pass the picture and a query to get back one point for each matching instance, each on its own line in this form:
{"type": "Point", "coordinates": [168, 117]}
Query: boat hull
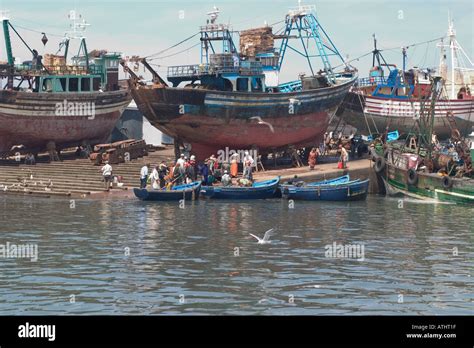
{"type": "Point", "coordinates": [429, 186]}
{"type": "Point", "coordinates": [191, 192]}
{"type": "Point", "coordinates": [351, 191]}
{"type": "Point", "coordinates": [265, 190]}
{"type": "Point", "coordinates": [212, 120]}
{"type": "Point", "coordinates": [399, 114]}
{"type": "Point", "coordinates": [34, 119]}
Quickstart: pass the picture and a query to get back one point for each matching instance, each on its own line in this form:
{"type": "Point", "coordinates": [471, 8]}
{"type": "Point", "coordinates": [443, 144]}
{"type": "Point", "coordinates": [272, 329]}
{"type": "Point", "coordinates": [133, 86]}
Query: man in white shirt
{"type": "Point", "coordinates": [181, 161]}
{"type": "Point", "coordinates": [226, 179]}
{"type": "Point", "coordinates": [107, 175]}
{"type": "Point", "coordinates": [248, 166]}
{"type": "Point", "coordinates": [144, 176]}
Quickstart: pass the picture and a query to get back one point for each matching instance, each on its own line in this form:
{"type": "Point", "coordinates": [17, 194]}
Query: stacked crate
{"type": "Point", "coordinates": [255, 41]}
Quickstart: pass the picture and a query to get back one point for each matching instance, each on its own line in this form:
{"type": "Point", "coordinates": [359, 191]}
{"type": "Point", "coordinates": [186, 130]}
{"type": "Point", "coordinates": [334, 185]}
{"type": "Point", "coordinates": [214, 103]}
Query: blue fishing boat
{"type": "Point", "coordinates": [259, 190]}
{"type": "Point", "coordinates": [341, 180]}
{"type": "Point", "coordinates": [350, 191]}
{"type": "Point", "coordinates": [335, 181]}
{"type": "Point", "coordinates": [187, 192]}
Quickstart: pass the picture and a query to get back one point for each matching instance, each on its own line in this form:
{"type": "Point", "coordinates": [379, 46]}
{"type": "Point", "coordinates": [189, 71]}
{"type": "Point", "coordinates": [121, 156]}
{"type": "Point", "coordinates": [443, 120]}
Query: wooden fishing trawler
{"type": "Point", "coordinates": [50, 104]}
{"type": "Point", "coordinates": [421, 168]}
{"type": "Point", "coordinates": [235, 100]}
{"type": "Point", "coordinates": [378, 102]}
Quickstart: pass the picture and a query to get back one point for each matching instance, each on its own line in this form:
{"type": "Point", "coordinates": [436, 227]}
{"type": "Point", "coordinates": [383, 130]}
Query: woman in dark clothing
{"type": "Point", "coordinates": [163, 171]}
{"type": "Point", "coordinates": [204, 172]}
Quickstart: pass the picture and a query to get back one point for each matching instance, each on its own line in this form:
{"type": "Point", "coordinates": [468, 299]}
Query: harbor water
{"type": "Point", "coordinates": [105, 257]}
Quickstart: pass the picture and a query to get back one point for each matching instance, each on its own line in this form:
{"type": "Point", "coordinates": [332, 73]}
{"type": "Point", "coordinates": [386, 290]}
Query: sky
{"type": "Point", "coordinates": [145, 27]}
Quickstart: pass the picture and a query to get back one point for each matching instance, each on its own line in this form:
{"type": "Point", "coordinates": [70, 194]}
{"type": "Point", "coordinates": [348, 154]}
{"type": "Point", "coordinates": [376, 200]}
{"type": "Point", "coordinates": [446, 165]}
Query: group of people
{"type": "Point", "coordinates": [186, 170]}
{"type": "Point", "coordinates": [316, 152]}
{"type": "Point", "coordinates": [158, 177]}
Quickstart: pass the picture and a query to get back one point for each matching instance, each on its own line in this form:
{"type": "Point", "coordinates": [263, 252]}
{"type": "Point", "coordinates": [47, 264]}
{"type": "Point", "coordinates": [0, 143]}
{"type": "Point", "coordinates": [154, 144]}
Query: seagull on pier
{"type": "Point", "coordinates": [266, 237]}
{"type": "Point", "coordinates": [260, 121]}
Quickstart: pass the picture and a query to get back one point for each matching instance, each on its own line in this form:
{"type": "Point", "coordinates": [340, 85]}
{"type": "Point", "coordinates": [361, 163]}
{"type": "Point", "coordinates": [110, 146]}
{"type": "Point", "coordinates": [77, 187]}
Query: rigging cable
{"type": "Point", "coordinates": [37, 31]}
{"type": "Point", "coordinates": [169, 48]}
{"type": "Point", "coordinates": [175, 54]}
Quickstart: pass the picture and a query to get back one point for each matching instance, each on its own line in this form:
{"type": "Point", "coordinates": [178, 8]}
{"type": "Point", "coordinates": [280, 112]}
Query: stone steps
{"type": "Point", "coordinates": [72, 176]}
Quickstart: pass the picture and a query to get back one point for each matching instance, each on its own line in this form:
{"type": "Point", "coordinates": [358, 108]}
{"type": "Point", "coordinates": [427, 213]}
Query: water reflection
{"type": "Point", "coordinates": [192, 252]}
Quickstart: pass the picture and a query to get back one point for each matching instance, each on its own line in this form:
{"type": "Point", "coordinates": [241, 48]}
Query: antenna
{"type": "Point", "coordinates": [214, 14]}
{"type": "Point", "coordinates": [78, 26]}
{"type": "Point", "coordinates": [5, 15]}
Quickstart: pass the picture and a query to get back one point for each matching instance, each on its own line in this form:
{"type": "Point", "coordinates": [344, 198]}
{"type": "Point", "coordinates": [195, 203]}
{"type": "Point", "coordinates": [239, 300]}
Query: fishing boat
{"type": "Point", "coordinates": [423, 169]}
{"type": "Point", "coordinates": [48, 103]}
{"type": "Point", "coordinates": [187, 192]}
{"type": "Point", "coordinates": [379, 102]}
{"type": "Point", "coordinates": [335, 181]}
{"type": "Point", "coordinates": [341, 180]}
{"type": "Point", "coordinates": [259, 190]}
{"type": "Point", "coordinates": [234, 99]}
{"type": "Point", "coordinates": [356, 190]}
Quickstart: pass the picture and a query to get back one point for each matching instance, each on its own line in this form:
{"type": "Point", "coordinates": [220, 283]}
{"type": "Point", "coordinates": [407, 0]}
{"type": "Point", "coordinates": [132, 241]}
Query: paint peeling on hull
{"type": "Point", "coordinates": [31, 119]}
{"type": "Point", "coordinates": [213, 120]}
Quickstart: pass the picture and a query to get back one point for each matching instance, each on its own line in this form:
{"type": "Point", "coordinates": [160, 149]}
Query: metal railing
{"type": "Point", "coordinates": [371, 81]}
{"type": "Point", "coordinates": [245, 68]}
{"type": "Point", "coordinates": [188, 70]}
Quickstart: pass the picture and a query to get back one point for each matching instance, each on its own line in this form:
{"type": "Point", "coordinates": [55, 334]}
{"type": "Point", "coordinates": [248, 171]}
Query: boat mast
{"type": "Point", "coordinates": [6, 34]}
{"type": "Point", "coordinates": [304, 23]}
{"type": "Point", "coordinates": [456, 69]}
{"type": "Point", "coordinates": [77, 32]}
{"type": "Point", "coordinates": [452, 39]}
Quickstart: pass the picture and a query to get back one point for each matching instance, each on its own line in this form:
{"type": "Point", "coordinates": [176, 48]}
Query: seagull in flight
{"type": "Point", "coordinates": [266, 237]}
{"type": "Point", "coordinates": [260, 121]}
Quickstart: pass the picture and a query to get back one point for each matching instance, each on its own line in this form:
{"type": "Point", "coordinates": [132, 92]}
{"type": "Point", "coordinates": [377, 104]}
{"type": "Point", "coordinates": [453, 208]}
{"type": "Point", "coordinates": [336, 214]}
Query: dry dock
{"type": "Point", "coordinates": [78, 178]}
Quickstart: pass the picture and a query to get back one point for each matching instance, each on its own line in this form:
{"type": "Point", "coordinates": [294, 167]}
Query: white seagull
{"type": "Point", "coordinates": [260, 121]}
{"type": "Point", "coordinates": [266, 237]}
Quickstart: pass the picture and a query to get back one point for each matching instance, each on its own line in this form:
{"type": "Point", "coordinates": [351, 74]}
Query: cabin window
{"type": "Point", "coordinates": [111, 63]}
{"type": "Point", "coordinates": [73, 84]}
{"type": "Point", "coordinates": [63, 83]}
{"type": "Point", "coordinates": [96, 83]}
{"type": "Point", "coordinates": [47, 85]}
{"type": "Point", "coordinates": [243, 84]}
{"type": "Point", "coordinates": [256, 84]}
{"type": "Point", "coordinates": [85, 84]}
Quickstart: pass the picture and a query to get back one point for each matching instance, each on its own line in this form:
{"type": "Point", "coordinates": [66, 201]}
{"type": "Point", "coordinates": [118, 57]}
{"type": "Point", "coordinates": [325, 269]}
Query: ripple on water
{"type": "Point", "coordinates": [129, 257]}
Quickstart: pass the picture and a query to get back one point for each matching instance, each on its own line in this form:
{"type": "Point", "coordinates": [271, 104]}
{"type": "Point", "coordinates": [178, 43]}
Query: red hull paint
{"type": "Point", "coordinates": [30, 119]}
{"type": "Point", "coordinates": [301, 130]}
{"type": "Point", "coordinates": [212, 120]}
{"type": "Point", "coordinates": [61, 130]}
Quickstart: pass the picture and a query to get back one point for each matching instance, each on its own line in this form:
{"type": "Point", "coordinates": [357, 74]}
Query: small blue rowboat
{"type": "Point", "coordinates": [259, 190]}
{"type": "Point", "coordinates": [336, 181]}
{"type": "Point", "coordinates": [350, 191]}
{"type": "Point", "coordinates": [177, 193]}
{"type": "Point", "coordinates": [341, 180]}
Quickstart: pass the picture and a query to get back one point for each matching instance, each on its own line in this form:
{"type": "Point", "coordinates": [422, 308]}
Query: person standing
{"type": "Point", "coordinates": [191, 169]}
{"type": "Point", "coordinates": [212, 164]}
{"type": "Point", "coordinates": [155, 179]}
{"type": "Point", "coordinates": [313, 158]}
{"type": "Point", "coordinates": [107, 175]}
{"type": "Point", "coordinates": [181, 161]}
{"type": "Point", "coordinates": [162, 173]}
{"type": "Point", "coordinates": [248, 166]}
{"type": "Point", "coordinates": [144, 176]}
{"type": "Point", "coordinates": [204, 172]}
{"type": "Point", "coordinates": [344, 156]}
{"type": "Point", "coordinates": [234, 165]}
